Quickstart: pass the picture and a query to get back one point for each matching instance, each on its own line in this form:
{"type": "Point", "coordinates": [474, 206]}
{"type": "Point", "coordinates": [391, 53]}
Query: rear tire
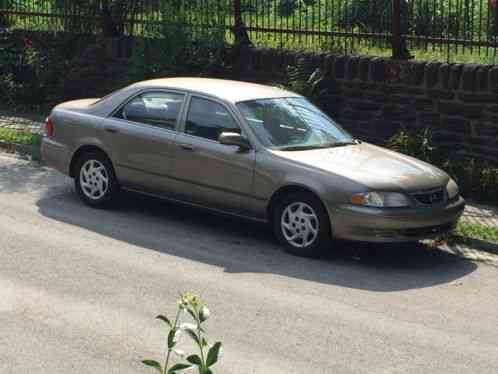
{"type": "Point", "coordinates": [301, 224]}
{"type": "Point", "coordinates": [95, 180]}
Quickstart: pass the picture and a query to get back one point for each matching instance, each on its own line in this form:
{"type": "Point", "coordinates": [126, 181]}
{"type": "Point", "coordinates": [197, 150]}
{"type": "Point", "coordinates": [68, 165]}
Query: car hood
{"type": "Point", "coordinates": [371, 166]}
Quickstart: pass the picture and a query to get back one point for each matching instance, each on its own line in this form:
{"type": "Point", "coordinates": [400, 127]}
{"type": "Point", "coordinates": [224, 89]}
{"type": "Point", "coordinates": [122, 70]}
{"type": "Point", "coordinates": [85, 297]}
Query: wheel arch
{"type": "Point", "coordinates": [290, 189]}
{"type": "Point", "coordinates": [87, 148]}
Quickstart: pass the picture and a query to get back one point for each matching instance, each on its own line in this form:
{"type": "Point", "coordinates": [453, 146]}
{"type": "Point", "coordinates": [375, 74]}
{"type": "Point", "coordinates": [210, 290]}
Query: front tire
{"type": "Point", "coordinates": [95, 181]}
{"type": "Point", "coordinates": [302, 226]}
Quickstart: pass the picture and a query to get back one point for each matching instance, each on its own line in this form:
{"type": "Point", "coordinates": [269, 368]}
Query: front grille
{"type": "Point", "coordinates": [430, 197]}
{"type": "Point", "coordinates": [417, 232]}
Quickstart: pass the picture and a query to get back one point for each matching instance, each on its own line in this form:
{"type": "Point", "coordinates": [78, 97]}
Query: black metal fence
{"type": "Point", "coordinates": [447, 30]}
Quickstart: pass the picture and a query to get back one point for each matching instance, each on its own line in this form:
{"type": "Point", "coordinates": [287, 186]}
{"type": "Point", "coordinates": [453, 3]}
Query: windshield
{"type": "Point", "coordinates": [292, 124]}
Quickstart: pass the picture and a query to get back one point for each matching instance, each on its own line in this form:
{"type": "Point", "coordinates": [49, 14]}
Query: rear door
{"type": "Point", "coordinates": [217, 175]}
{"type": "Point", "coordinates": [141, 134]}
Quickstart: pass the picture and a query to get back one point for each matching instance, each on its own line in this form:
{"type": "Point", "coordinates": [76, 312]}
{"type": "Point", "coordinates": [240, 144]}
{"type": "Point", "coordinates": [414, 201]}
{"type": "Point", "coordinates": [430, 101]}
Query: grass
{"type": "Point", "coordinates": [343, 46]}
{"type": "Point", "coordinates": [18, 137]}
{"type": "Point", "coordinates": [476, 231]}
{"type": "Point", "coordinates": [338, 45]}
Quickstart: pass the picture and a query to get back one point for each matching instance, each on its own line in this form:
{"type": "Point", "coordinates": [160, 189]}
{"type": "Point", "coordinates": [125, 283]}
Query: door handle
{"type": "Point", "coordinates": [187, 147]}
{"type": "Point", "coordinates": [111, 130]}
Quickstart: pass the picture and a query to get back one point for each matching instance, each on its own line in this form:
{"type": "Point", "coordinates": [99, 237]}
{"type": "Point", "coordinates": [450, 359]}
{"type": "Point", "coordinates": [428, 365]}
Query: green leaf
{"type": "Point", "coordinates": [153, 364]}
{"type": "Point", "coordinates": [165, 319]}
{"type": "Point", "coordinates": [193, 314]}
{"type": "Point", "coordinates": [193, 334]}
{"type": "Point", "coordinates": [172, 338]}
{"type": "Point", "coordinates": [214, 354]}
{"type": "Point", "coordinates": [195, 359]}
{"type": "Point", "coordinates": [204, 342]}
{"type": "Point", "coordinates": [178, 367]}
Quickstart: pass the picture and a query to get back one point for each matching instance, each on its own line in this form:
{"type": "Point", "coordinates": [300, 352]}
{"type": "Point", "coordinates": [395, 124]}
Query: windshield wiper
{"type": "Point", "coordinates": [340, 144]}
{"type": "Point", "coordinates": [318, 146]}
{"type": "Point", "coordinates": [301, 147]}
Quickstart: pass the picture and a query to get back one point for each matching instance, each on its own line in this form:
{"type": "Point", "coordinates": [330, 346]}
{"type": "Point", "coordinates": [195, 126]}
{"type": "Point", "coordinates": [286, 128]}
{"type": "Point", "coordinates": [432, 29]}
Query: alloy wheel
{"type": "Point", "coordinates": [94, 179]}
{"type": "Point", "coordinates": [299, 224]}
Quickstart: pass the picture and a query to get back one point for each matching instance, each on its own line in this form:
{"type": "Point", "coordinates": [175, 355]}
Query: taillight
{"type": "Point", "coordinates": [49, 127]}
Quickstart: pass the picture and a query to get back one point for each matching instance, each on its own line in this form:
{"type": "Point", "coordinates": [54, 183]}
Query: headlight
{"type": "Point", "coordinates": [381, 199]}
{"type": "Point", "coordinates": [452, 189]}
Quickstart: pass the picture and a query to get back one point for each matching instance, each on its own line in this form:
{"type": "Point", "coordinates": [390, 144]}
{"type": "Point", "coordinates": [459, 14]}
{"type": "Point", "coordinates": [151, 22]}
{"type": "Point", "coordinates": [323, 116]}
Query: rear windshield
{"type": "Point", "coordinates": [106, 97]}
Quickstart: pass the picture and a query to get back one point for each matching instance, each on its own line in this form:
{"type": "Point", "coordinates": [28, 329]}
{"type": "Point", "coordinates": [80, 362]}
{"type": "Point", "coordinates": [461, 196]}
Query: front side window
{"type": "Point", "coordinates": [154, 108]}
{"type": "Point", "coordinates": [208, 119]}
{"type": "Point", "coordinates": [292, 124]}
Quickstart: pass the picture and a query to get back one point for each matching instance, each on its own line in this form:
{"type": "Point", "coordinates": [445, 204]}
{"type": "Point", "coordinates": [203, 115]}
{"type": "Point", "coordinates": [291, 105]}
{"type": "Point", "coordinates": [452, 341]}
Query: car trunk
{"type": "Point", "coordinates": [82, 105]}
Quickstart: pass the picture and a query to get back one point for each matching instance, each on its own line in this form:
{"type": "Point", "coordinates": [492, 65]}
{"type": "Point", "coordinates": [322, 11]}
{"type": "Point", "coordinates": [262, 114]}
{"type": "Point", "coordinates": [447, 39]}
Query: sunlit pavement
{"type": "Point", "coordinates": [79, 289]}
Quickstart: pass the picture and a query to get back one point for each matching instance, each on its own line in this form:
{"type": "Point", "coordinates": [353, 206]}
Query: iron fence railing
{"type": "Point", "coordinates": [465, 30]}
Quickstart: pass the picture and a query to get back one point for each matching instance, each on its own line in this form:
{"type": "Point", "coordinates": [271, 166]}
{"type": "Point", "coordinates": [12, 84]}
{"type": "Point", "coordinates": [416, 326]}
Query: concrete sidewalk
{"type": "Point", "coordinates": [485, 215]}
{"type": "Point", "coordinates": [22, 122]}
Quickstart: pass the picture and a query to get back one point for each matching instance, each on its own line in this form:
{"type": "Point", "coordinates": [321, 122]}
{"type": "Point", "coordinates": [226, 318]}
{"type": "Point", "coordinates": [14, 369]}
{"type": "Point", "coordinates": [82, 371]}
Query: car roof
{"type": "Point", "coordinates": [228, 90]}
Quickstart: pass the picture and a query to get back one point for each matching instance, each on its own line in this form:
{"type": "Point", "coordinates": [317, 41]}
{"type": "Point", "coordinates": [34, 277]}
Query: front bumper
{"type": "Point", "coordinates": [396, 224]}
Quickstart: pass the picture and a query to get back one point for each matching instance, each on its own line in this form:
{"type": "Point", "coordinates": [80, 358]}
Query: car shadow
{"type": "Point", "coordinates": [239, 246]}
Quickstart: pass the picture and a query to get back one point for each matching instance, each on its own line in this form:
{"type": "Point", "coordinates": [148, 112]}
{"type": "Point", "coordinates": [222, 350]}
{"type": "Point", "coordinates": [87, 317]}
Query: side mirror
{"type": "Point", "coordinates": [234, 138]}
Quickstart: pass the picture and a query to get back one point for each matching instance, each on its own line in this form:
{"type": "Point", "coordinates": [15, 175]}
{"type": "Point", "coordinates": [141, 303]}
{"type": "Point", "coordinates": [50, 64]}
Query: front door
{"type": "Point", "coordinates": [210, 173]}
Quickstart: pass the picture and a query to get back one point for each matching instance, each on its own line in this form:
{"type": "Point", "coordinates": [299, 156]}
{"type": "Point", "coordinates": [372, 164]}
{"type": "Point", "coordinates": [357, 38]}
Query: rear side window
{"type": "Point", "coordinates": [208, 119]}
{"type": "Point", "coordinates": [153, 108]}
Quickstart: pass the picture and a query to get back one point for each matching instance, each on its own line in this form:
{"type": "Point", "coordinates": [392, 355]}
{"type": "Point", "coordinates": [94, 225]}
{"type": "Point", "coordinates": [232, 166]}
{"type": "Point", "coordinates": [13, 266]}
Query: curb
{"type": "Point", "coordinates": [479, 244]}
{"type": "Point", "coordinates": [34, 151]}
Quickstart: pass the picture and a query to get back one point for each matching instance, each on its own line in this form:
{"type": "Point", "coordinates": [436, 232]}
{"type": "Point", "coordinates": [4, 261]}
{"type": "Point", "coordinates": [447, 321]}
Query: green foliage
{"type": "Point", "coordinates": [418, 145]}
{"type": "Point", "coordinates": [32, 72]}
{"type": "Point", "coordinates": [305, 80]}
{"type": "Point", "coordinates": [13, 136]}
{"type": "Point", "coordinates": [476, 231]}
{"type": "Point", "coordinates": [476, 179]}
{"type": "Point", "coordinates": [22, 68]}
{"type": "Point", "coordinates": [476, 20]}
{"type": "Point", "coordinates": [176, 49]}
{"type": "Point", "coordinates": [368, 15]}
{"type": "Point", "coordinates": [424, 17]}
{"type": "Point", "coordinates": [287, 8]}
{"type": "Point", "coordinates": [207, 356]}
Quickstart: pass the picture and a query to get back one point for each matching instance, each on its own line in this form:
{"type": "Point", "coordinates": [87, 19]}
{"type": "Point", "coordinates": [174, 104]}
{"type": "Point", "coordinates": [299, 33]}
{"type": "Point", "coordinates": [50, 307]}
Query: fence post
{"type": "Point", "coordinates": [3, 16]}
{"type": "Point", "coordinates": [399, 50]}
{"type": "Point", "coordinates": [239, 29]}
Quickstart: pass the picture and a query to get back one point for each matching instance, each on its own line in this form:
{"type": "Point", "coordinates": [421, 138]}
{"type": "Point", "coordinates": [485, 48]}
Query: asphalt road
{"type": "Point", "coordinates": [79, 289]}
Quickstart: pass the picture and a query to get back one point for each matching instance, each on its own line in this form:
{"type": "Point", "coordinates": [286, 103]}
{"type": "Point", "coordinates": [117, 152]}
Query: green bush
{"type": "Point", "coordinates": [33, 71]}
{"type": "Point", "coordinates": [477, 179]}
{"type": "Point", "coordinates": [13, 136]}
{"type": "Point", "coordinates": [476, 231]}
{"type": "Point", "coordinates": [418, 145]}
{"type": "Point", "coordinates": [176, 49]}
{"type": "Point", "coordinates": [304, 79]}
{"type": "Point", "coordinates": [22, 70]}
